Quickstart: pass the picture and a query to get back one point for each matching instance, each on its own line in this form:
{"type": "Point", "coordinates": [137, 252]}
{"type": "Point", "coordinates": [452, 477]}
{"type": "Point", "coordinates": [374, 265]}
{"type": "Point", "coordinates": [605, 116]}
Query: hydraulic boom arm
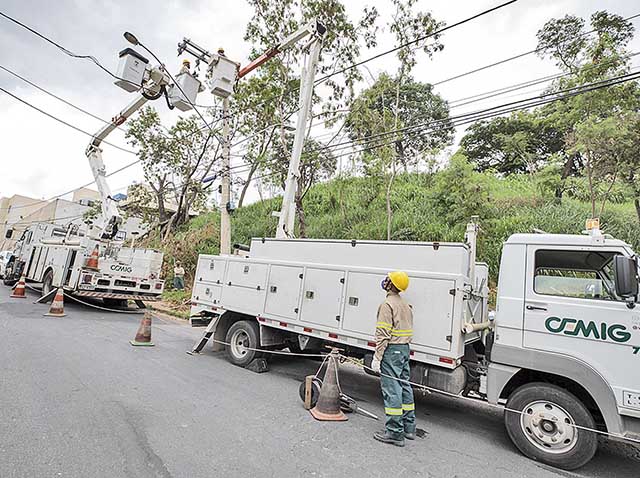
{"type": "Point", "coordinates": [110, 213]}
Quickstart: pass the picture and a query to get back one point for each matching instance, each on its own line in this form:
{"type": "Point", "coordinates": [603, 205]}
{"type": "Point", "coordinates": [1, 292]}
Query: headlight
{"type": "Point", "coordinates": [87, 278]}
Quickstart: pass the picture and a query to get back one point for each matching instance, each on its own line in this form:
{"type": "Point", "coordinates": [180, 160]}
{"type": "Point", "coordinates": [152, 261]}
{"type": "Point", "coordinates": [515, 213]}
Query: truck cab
{"type": "Point", "coordinates": [566, 346]}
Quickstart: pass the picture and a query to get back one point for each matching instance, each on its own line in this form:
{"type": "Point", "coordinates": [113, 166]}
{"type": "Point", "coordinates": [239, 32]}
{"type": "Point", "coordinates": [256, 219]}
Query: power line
{"type": "Point", "coordinates": [515, 57]}
{"type": "Point", "coordinates": [63, 49]}
{"type": "Point", "coordinates": [488, 113]}
{"type": "Point", "coordinates": [416, 40]}
{"type": "Point", "coordinates": [66, 102]}
{"type": "Point", "coordinates": [625, 77]}
{"type": "Point", "coordinates": [58, 196]}
{"type": "Point", "coordinates": [63, 121]}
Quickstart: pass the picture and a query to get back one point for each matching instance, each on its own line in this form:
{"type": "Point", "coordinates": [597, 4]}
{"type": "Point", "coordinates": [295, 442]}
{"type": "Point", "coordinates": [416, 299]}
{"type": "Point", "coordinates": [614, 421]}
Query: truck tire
{"type": "Point", "coordinates": [47, 283]}
{"type": "Point", "coordinates": [8, 274]}
{"type": "Point", "coordinates": [241, 337]}
{"type": "Point", "coordinates": [543, 430]}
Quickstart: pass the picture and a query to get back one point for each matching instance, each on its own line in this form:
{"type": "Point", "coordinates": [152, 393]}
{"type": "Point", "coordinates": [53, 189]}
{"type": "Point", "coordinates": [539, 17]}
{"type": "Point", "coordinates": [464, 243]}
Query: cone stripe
{"type": "Point", "coordinates": [328, 406]}
{"type": "Point", "coordinates": [57, 306]}
{"type": "Point", "coordinates": [92, 261]}
{"type": "Point", "coordinates": [20, 291]}
{"type": "Point", "coordinates": [143, 336]}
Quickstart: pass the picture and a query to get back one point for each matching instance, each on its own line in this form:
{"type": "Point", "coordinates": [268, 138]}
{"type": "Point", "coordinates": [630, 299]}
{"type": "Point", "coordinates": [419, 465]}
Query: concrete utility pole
{"type": "Point", "coordinates": [223, 74]}
{"type": "Point", "coordinates": [225, 186]}
{"type": "Point", "coordinates": [287, 214]}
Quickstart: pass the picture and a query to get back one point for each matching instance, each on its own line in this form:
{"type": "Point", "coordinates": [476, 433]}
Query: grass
{"type": "Point", "coordinates": [426, 207]}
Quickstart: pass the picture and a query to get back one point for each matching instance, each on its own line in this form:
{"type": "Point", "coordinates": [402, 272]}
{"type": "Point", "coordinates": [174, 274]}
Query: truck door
{"type": "Point", "coordinates": [571, 308]}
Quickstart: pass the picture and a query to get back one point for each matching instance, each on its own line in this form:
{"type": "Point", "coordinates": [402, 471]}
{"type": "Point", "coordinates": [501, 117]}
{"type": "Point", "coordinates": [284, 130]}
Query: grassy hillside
{"type": "Point", "coordinates": [426, 208]}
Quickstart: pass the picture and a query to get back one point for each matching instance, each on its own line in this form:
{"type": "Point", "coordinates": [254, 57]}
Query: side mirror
{"type": "Point", "coordinates": [625, 269]}
{"type": "Point", "coordinates": [8, 234]}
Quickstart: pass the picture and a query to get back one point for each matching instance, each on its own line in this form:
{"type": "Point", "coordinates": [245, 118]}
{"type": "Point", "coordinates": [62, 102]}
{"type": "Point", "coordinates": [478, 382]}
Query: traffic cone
{"type": "Point", "coordinates": [92, 261]}
{"type": "Point", "coordinates": [20, 290]}
{"type": "Point", "coordinates": [328, 406]}
{"type": "Point", "coordinates": [143, 336]}
{"type": "Point", "coordinates": [57, 306]}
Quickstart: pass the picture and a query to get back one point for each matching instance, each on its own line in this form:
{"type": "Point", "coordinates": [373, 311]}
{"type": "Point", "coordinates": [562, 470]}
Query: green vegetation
{"type": "Point", "coordinates": [427, 207]}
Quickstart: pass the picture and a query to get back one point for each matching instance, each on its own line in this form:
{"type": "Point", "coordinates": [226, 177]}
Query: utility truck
{"type": "Point", "coordinates": [93, 262]}
{"type": "Point", "coordinates": [53, 256]}
{"type": "Point", "coordinates": [561, 352]}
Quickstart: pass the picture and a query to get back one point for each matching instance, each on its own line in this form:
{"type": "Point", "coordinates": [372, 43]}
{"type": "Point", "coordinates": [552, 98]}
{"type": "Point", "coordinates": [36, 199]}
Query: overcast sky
{"type": "Point", "coordinates": [42, 158]}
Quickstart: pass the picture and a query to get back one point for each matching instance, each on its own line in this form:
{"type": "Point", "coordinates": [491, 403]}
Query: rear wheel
{"type": "Point", "coordinates": [545, 430]}
{"type": "Point", "coordinates": [8, 276]}
{"type": "Point", "coordinates": [243, 338]}
{"type": "Point", "coordinates": [47, 283]}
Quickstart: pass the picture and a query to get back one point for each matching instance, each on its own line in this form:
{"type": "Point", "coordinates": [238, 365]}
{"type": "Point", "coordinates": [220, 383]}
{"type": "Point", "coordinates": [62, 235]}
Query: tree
{"type": "Point", "coordinates": [459, 192]}
{"type": "Point", "coordinates": [373, 113]}
{"type": "Point", "coordinates": [269, 99]}
{"type": "Point", "coordinates": [260, 119]}
{"type": "Point", "coordinates": [317, 163]}
{"type": "Point", "coordinates": [392, 102]}
{"type": "Point", "coordinates": [175, 161]}
{"type": "Point", "coordinates": [592, 121]}
{"type": "Point", "coordinates": [522, 142]}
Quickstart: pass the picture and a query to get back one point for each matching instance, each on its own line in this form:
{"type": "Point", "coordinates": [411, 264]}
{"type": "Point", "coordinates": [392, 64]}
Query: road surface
{"type": "Point", "coordinates": [76, 400]}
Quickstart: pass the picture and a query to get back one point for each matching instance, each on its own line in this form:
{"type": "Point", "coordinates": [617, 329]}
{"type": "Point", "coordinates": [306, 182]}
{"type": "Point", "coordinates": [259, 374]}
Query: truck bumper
{"type": "Point", "coordinates": [111, 295]}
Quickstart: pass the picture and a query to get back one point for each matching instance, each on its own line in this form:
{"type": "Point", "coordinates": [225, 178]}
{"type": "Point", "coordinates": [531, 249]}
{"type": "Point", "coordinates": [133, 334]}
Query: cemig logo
{"type": "Point", "coordinates": [603, 331]}
{"type": "Point", "coordinates": [119, 268]}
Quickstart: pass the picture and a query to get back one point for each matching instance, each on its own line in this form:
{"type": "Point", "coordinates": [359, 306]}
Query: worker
{"type": "Point", "coordinates": [178, 276]}
{"type": "Point", "coordinates": [394, 330]}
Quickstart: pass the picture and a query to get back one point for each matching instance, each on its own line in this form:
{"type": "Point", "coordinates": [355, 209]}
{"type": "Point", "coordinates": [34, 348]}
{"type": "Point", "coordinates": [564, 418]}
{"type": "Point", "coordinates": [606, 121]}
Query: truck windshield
{"type": "Point", "coordinates": [579, 274]}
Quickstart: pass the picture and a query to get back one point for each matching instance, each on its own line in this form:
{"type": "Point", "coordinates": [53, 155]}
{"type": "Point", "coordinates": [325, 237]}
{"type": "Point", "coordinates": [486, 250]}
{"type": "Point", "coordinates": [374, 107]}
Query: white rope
{"type": "Point", "coordinates": [275, 352]}
{"type": "Point", "coordinates": [88, 304]}
{"type": "Point", "coordinates": [519, 412]}
{"type": "Point", "coordinates": [91, 305]}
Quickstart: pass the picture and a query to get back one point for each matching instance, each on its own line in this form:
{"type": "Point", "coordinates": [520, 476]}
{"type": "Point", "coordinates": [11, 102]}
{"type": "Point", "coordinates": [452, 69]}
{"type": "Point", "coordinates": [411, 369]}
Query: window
{"type": "Point", "coordinates": [578, 274]}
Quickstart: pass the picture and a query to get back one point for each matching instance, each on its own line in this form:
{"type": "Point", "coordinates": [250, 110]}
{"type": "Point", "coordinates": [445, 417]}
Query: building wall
{"type": "Point", "coordinates": [63, 213]}
{"type": "Point", "coordinates": [12, 210]}
{"type": "Point", "coordinates": [85, 193]}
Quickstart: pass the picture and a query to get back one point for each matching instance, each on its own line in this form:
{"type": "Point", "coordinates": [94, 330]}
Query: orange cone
{"type": "Point", "coordinates": [92, 261]}
{"type": "Point", "coordinates": [143, 336]}
{"type": "Point", "coordinates": [20, 290]}
{"type": "Point", "coordinates": [57, 306]}
{"type": "Point", "coordinates": [328, 406]}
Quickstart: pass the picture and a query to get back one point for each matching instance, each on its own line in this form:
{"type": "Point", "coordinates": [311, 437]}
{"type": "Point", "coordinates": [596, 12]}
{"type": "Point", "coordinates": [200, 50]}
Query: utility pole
{"type": "Point", "coordinates": [287, 214]}
{"type": "Point", "coordinates": [225, 185]}
{"type": "Point", "coordinates": [223, 74]}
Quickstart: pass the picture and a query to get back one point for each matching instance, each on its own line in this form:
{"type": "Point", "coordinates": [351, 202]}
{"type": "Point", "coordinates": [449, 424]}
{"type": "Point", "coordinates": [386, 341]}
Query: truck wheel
{"type": "Point", "coordinates": [544, 431]}
{"type": "Point", "coordinates": [243, 336]}
{"type": "Point", "coordinates": [47, 283]}
{"type": "Point", "coordinates": [8, 274]}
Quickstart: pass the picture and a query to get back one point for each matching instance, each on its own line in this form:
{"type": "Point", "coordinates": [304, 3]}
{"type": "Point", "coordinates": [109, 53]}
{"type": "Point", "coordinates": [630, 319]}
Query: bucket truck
{"type": "Point", "coordinates": [561, 351]}
{"type": "Point", "coordinates": [52, 255]}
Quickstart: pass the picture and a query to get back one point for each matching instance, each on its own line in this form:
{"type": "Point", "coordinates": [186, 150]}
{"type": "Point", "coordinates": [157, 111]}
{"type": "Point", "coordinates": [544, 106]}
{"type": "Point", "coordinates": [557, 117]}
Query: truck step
{"type": "Point", "coordinates": [208, 333]}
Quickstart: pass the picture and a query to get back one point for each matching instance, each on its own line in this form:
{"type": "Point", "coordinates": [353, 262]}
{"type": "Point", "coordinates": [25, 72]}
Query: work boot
{"type": "Point", "coordinates": [385, 437]}
{"type": "Point", "coordinates": [410, 435]}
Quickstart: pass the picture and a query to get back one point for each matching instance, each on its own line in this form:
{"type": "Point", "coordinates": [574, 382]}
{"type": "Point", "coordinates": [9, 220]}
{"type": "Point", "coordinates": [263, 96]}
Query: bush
{"type": "Point", "coordinates": [427, 207]}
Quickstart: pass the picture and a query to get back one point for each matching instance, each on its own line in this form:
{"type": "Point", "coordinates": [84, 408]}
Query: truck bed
{"type": "Point", "coordinates": [338, 301]}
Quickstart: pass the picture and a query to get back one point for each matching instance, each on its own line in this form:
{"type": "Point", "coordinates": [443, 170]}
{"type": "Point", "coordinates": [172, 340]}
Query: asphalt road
{"type": "Point", "coordinates": [76, 400]}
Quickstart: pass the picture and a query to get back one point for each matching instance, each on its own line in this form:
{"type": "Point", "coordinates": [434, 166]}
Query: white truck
{"type": "Point", "coordinates": [563, 349]}
{"type": "Point", "coordinates": [53, 256]}
{"type": "Point", "coordinates": [57, 257]}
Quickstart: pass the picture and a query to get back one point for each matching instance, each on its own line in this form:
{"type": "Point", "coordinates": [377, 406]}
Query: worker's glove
{"type": "Point", "coordinates": [375, 365]}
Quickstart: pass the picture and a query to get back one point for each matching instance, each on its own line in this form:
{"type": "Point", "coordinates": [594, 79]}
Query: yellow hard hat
{"type": "Point", "coordinates": [399, 279]}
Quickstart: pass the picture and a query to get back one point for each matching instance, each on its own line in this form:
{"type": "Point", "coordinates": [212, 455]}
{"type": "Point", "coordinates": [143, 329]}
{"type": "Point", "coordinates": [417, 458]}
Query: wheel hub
{"type": "Point", "coordinates": [240, 344]}
{"type": "Point", "coordinates": [549, 427]}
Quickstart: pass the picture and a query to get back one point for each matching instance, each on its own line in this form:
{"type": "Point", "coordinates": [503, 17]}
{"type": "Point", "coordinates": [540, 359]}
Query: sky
{"type": "Point", "coordinates": [41, 158]}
